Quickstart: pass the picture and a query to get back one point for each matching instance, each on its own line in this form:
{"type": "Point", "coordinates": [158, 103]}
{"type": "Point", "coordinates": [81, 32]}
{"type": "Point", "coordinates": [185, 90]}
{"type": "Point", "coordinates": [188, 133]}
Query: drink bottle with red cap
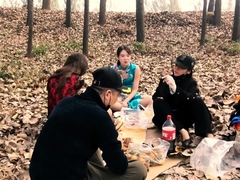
{"type": "Point", "coordinates": [169, 133]}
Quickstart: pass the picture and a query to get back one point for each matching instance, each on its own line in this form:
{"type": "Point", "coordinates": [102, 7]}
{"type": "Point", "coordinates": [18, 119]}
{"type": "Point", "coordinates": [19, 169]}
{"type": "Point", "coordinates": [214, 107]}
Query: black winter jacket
{"type": "Point", "coordinates": [186, 91]}
{"type": "Point", "coordinates": [76, 128]}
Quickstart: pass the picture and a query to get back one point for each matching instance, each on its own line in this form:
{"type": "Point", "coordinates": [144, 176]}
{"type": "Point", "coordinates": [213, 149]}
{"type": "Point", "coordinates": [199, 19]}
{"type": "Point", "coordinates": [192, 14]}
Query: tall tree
{"type": "Point", "coordinates": [211, 5]}
{"type": "Point", "coordinates": [217, 13]}
{"type": "Point", "coordinates": [86, 27]}
{"type": "Point", "coordinates": [28, 12]}
{"type": "Point", "coordinates": [140, 20]}
{"type": "Point", "coordinates": [68, 13]}
{"type": "Point", "coordinates": [236, 24]}
{"type": "Point", "coordinates": [204, 23]}
{"type": "Point", "coordinates": [102, 12]}
{"type": "Point", "coordinates": [30, 28]}
{"type": "Point", "coordinates": [46, 4]}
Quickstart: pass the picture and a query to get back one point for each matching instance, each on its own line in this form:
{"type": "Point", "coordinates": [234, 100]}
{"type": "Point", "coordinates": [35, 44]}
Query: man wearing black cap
{"type": "Point", "coordinates": [67, 147]}
{"type": "Point", "coordinates": [178, 95]}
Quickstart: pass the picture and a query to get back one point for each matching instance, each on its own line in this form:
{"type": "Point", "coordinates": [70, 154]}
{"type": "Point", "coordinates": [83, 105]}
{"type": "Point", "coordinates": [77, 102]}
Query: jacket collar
{"type": "Point", "coordinates": [186, 76]}
{"type": "Point", "coordinates": [92, 94]}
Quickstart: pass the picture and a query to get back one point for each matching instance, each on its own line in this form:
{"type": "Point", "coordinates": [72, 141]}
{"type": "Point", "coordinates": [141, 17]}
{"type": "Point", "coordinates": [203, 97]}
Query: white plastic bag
{"type": "Point", "coordinates": [215, 157]}
{"type": "Point", "coordinates": [149, 114]}
{"type": "Point", "coordinates": [134, 118]}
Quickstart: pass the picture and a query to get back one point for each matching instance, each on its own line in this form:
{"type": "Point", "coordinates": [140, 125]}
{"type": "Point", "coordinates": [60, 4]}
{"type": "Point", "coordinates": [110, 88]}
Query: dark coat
{"type": "Point", "coordinates": [76, 128]}
{"type": "Point", "coordinates": [185, 106]}
{"type": "Point", "coordinates": [186, 91]}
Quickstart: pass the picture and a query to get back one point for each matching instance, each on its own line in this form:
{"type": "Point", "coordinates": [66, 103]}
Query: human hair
{"type": "Point", "coordinates": [190, 75]}
{"type": "Point", "coordinates": [192, 70]}
{"type": "Point", "coordinates": [76, 63]}
{"type": "Point", "coordinates": [120, 49]}
{"type": "Point", "coordinates": [100, 90]}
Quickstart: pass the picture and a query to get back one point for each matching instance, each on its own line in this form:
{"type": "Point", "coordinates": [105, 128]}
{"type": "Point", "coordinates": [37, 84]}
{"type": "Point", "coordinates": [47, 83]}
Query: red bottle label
{"type": "Point", "coordinates": [168, 133]}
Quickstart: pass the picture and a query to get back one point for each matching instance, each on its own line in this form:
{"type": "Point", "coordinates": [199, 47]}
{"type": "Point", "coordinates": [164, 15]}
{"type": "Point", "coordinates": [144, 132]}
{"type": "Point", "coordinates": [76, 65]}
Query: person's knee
{"type": "Point", "coordinates": [199, 101]}
{"type": "Point", "coordinates": [157, 102]}
{"type": "Point", "coordinates": [146, 100]}
{"type": "Point", "coordinates": [139, 168]}
{"type": "Point", "coordinates": [116, 107]}
{"type": "Point", "coordinates": [199, 105]}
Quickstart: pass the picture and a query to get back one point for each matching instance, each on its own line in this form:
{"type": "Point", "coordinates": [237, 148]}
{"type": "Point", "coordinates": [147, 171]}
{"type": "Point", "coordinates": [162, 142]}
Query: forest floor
{"type": "Point", "coordinates": [23, 94]}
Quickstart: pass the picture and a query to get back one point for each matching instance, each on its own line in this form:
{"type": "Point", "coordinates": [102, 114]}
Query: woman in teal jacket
{"type": "Point", "coordinates": [130, 73]}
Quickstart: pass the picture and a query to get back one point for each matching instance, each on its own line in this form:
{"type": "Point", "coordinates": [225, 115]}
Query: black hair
{"type": "Point", "coordinates": [101, 90]}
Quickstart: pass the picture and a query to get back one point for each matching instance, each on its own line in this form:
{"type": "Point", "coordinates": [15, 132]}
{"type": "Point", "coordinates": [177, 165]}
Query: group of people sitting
{"type": "Point", "coordinates": [80, 125]}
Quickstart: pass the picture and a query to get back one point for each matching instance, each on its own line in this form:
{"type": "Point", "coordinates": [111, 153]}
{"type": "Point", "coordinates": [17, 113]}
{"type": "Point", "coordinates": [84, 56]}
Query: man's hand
{"type": "Point", "coordinates": [147, 166]}
{"type": "Point", "coordinates": [119, 123]}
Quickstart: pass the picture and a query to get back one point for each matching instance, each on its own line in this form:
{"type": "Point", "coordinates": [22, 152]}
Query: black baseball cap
{"type": "Point", "coordinates": [107, 77]}
{"type": "Point", "coordinates": [185, 62]}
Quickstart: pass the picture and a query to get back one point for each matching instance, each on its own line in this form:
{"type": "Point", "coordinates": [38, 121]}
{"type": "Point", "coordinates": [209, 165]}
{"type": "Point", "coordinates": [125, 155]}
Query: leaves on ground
{"type": "Point", "coordinates": [23, 94]}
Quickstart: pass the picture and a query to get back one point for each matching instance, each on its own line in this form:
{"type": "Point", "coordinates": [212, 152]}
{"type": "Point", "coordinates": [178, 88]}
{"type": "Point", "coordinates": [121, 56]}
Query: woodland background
{"type": "Point", "coordinates": [23, 94]}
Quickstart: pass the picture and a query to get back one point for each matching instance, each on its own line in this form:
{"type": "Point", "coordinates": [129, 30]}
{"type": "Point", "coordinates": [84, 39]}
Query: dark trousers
{"type": "Point", "coordinates": [195, 112]}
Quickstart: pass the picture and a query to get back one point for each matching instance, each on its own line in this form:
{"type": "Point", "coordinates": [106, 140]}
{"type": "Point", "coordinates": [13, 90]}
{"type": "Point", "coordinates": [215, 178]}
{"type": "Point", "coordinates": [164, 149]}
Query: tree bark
{"type": "Point", "coordinates": [28, 12]}
{"type": "Point", "coordinates": [68, 13]}
{"type": "Point", "coordinates": [102, 12]}
{"type": "Point", "coordinates": [217, 13]}
{"type": "Point", "coordinates": [46, 4]}
{"type": "Point", "coordinates": [140, 20]}
{"type": "Point", "coordinates": [211, 5]}
{"type": "Point", "coordinates": [236, 23]}
{"type": "Point", "coordinates": [30, 28]}
{"type": "Point", "coordinates": [86, 27]}
{"type": "Point", "coordinates": [204, 23]}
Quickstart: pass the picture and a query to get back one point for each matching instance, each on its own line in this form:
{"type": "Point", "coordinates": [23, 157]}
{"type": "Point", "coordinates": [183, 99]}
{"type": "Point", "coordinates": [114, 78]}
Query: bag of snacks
{"type": "Point", "coordinates": [136, 154]}
{"type": "Point", "coordinates": [153, 153]}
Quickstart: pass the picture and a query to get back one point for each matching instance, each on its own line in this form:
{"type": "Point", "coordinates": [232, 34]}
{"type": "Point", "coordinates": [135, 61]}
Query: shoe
{"type": "Point", "coordinates": [188, 143]}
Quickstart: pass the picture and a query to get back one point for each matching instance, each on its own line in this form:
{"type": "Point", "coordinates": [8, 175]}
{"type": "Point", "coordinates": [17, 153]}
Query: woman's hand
{"type": "Point", "coordinates": [171, 83]}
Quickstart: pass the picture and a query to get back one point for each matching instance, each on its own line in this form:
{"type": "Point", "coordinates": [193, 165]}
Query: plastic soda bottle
{"type": "Point", "coordinates": [169, 133]}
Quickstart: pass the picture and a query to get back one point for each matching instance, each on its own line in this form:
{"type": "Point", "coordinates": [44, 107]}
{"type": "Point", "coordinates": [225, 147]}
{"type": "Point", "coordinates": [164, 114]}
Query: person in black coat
{"type": "Point", "coordinates": [67, 147]}
{"type": "Point", "coordinates": [178, 95]}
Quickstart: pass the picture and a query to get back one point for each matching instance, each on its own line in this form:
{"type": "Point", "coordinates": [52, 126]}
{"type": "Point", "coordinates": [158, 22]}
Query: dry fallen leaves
{"type": "Point", "coordinates": [23, 106]}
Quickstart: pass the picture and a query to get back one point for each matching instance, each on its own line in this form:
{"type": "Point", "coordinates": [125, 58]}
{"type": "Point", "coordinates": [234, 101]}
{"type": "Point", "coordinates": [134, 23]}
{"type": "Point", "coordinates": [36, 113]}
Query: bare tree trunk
{"type": "Point", "coordinates": [211, 5]}
{"type": "Point", "coordinates": [236, 24]}
{"type": "Point", "coordinates": [140, 20]}
{"type": "Point", "coordinates": [46, 4]}
{"type": "Point", "coordinates": [204, 23]}
{"type": "Point", "coordinates": [68, 13]}
{"type": "Point", "coordinates": [30, 28]}
{"type": "Point", "coordinates": [102, 12]}
{"type": "Point", "coordinates": [217, 13]}
{"type": "Point", "coordinates": [28, 12]}
{"type": "Point", "coordinates": [86, 27]}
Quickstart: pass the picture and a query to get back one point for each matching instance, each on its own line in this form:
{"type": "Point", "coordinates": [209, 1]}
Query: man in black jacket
{"type": "Point", "coordinates": [67, 147]}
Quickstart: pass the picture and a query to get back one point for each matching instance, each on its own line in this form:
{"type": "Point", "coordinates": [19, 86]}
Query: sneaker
{"type": "Point", "coordinates": [188, 143]}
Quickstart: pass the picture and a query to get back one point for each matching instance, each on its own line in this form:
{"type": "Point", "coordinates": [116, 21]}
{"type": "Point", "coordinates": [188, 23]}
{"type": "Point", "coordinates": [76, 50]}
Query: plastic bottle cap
{"type": "Point", "coordinates": [169, 117]}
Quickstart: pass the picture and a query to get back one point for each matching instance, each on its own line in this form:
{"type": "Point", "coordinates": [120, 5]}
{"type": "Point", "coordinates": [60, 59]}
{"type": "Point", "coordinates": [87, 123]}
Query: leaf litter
{"type": "Point", "coordinates": [23, 107]}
